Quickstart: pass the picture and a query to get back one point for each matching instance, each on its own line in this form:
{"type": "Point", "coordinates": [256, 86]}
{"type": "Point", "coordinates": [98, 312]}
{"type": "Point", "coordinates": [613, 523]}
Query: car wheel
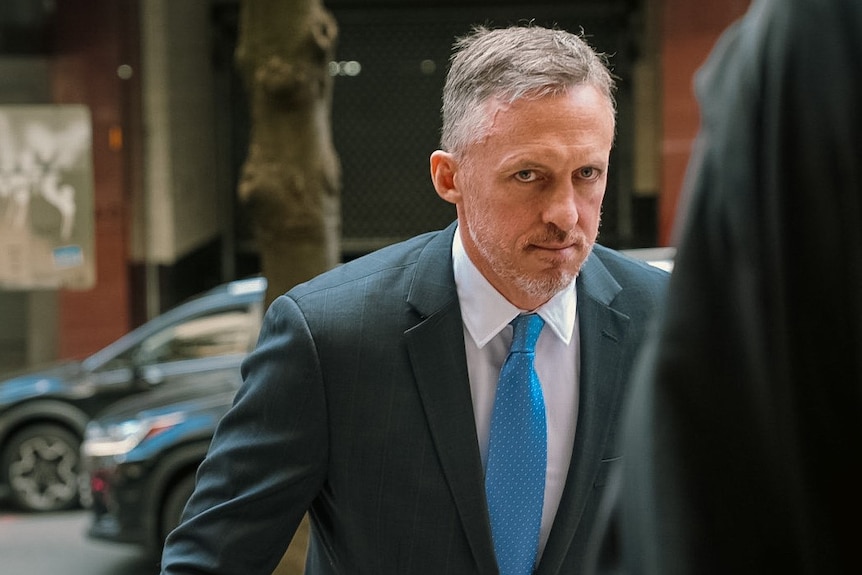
{"type": "Point", "coordinates": [41, 465]}
{"type": "Point", "coordinates": [175, 502]}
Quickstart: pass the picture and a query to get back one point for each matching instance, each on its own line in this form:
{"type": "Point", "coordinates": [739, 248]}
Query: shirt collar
{"type": "Point", "coordinates": [486, 312]}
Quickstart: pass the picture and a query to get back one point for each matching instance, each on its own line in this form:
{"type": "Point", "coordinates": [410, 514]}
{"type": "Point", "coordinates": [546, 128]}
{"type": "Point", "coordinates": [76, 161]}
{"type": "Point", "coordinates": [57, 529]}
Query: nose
{"type": "Point", "coordinates": [561, 207]}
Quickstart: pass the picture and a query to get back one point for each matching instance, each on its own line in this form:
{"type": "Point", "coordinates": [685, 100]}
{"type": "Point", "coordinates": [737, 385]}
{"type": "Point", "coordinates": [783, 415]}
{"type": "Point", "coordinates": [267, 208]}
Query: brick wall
{"type": "Point", "coordinates": [688, 32]}
{"type": "Point", "coordinates": [91, 37]}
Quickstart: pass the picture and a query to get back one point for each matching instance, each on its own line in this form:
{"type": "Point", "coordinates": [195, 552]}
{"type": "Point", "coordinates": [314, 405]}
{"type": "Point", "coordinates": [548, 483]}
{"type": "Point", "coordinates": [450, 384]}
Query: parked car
{"type": "Point", "coordinates": [43, 413]}
{"type": "Point", "coordinates": [661, 258]}
{"type": "Point", "coordinates": [141, 455]}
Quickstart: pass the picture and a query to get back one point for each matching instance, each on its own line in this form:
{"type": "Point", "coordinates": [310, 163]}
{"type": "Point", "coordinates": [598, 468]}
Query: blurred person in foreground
{"type": "Point", "coordinates": [744, 424]}
{"type": "Point", "coordinates": [368, 400]}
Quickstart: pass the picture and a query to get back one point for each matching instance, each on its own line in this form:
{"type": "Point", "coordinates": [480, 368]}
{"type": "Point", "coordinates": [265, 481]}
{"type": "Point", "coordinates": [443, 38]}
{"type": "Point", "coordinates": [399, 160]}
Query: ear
{"type": "Point", "coordinates": [443, 168]}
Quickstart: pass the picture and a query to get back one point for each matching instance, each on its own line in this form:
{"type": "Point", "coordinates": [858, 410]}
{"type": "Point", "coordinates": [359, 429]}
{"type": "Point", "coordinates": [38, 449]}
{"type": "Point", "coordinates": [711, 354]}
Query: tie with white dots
{"type": "Point", "coordinates": [517, 454]}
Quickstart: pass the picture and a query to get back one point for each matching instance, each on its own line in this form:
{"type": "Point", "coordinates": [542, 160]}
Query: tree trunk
{"type": "Point", "coordinates": [291, 178]}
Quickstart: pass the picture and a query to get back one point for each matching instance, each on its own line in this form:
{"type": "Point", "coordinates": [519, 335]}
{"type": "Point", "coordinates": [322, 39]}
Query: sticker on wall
{"type": "Point", "coordinates": [46, 197]}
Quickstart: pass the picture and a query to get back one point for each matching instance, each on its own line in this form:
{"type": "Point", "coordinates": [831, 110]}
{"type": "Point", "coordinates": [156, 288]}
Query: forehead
{"type": "Point", "coordinates": [581, 114]}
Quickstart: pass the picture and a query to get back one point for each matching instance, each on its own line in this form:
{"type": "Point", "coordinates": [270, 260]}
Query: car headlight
{"type": "Point", "coordinates": [120, 438]}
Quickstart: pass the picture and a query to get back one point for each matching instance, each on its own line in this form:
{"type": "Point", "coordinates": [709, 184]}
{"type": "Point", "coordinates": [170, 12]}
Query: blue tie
{"type": "Point", "coordinates": [518, 454]}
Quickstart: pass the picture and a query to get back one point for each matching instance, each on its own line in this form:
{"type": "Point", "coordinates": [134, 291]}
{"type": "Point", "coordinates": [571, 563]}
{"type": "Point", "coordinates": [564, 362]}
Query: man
{"type": "Point", "coordinates": [743, 424]}
{"type": "Point", "coordinates": [369, 399]}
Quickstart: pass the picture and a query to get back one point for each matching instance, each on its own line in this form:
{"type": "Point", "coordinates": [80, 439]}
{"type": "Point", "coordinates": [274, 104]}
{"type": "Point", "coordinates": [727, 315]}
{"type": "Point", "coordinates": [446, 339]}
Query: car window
{"type": "Point", "coordinates": [222, 333]}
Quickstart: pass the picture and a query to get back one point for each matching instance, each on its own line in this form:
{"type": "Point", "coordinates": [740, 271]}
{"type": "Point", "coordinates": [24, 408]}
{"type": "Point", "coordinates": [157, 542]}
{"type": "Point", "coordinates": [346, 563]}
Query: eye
{"type": "Point", "coordinates": [588, 173]}
{"type": "Point", "coordinates": [526, 175]}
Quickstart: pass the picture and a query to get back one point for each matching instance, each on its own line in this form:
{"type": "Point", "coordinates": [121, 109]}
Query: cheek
{"type": "Point", "coordinates": [591, 210]}
{"type": "Point", "coordinates": [480, 205]}
{"type": "Point", "coordinates": [499, 225]}
{"type": "Point", "coordinates": [503, 219]}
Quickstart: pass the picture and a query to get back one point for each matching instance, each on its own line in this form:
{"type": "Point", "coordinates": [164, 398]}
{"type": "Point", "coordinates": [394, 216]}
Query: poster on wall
{"type": "Point", "coordinates": [46, 198]}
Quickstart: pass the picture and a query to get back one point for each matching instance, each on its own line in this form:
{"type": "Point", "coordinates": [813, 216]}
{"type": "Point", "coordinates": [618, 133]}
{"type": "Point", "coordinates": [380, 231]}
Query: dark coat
{"type": "Point", "coordinates": [743, 425]}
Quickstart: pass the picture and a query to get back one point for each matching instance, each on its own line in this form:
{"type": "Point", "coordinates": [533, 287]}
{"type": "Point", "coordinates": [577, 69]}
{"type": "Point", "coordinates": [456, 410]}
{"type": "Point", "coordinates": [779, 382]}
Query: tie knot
{"type": "Point", "coordinates": [527, 329]}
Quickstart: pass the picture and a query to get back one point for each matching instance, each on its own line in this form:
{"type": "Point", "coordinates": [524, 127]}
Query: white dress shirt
{"type": "Point", "coordinates": [488, 335]}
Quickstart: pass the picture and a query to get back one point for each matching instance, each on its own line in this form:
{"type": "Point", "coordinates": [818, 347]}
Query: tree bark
{"type": "Point", "coordinates": [290, 183]}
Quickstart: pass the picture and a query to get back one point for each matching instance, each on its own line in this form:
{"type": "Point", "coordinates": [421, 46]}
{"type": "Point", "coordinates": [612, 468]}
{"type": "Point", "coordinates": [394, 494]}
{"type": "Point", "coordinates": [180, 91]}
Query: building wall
{"type": "Point", "coordinates": [689, 30]}
{"type": "Point", "coordinates": [179, 135]}
{"type": "Point", "coordinates": [91, 43]}
{"type": "Point", "coordinates": [29, 318]}
{"type": "Point", "coordinates": [180, 213]}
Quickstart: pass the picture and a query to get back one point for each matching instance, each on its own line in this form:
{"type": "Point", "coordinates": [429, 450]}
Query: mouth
{"type": "Point", "coordinates": [556, 248]}
{"type": "Point", "coordinates": [558, 245]}
{"type": "Point", "coordinates": [557, 253]}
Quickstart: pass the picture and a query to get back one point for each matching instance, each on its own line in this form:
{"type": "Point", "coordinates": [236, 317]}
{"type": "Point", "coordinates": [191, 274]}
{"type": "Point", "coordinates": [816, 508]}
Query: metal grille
{"type": "Point", "coordinates": [386, 119]}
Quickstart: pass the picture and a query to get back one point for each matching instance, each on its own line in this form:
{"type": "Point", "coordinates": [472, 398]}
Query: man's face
{"type": "Point", "coordinates": [529, 194]}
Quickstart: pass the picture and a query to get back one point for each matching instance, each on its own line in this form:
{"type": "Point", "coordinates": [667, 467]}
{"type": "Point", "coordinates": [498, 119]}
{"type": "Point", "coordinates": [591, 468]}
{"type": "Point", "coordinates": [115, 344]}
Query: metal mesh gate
{"type": "Point", "coordinates": [391, 65]}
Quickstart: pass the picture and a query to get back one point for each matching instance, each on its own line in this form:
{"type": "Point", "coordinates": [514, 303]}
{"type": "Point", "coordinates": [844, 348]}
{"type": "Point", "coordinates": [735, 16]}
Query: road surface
{"type": "Point", "coordinates": [56, 544]}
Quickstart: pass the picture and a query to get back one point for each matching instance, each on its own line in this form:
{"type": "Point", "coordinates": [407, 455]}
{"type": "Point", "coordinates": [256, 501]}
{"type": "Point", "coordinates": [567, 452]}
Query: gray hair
{"type": "Point", "coordinates": [510, 64]}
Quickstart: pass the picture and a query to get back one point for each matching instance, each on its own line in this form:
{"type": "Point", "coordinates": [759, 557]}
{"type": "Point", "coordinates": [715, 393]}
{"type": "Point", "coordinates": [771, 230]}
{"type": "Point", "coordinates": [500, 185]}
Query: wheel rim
{"type": "Point", "coordinates": [43, 475]}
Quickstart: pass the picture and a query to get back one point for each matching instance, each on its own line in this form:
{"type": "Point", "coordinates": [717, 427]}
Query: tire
{"type": "Point", "coordinates": [41, 465]}
{"type": "Point", "coordinates": [174, 503]}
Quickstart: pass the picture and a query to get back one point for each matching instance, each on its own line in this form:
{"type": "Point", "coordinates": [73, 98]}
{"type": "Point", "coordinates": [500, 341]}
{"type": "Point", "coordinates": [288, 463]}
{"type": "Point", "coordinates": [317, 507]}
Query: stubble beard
{"type": "Point", "coordinates": [537, 287]}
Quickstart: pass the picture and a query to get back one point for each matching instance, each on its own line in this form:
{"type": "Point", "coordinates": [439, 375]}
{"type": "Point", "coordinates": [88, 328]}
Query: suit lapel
{"type": "Point", "coordinates": [602, 333]}
{"type": "Point", "coordinates": [436, 348]}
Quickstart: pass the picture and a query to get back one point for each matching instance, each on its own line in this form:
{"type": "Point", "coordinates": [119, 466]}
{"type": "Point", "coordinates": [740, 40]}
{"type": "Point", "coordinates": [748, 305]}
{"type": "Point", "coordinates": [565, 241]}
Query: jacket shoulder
{"type": "Point", "coordinates": [633, 285]}
{"type": "Point", "coordinates": [628, 270]}
{"type": "Point", "coordinates": [381, 265]}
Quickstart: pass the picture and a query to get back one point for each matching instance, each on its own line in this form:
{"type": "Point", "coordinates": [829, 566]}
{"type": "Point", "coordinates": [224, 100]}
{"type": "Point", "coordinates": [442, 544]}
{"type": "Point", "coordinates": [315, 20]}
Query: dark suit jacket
{"type": "Point", "coordinates": [357, 407]}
